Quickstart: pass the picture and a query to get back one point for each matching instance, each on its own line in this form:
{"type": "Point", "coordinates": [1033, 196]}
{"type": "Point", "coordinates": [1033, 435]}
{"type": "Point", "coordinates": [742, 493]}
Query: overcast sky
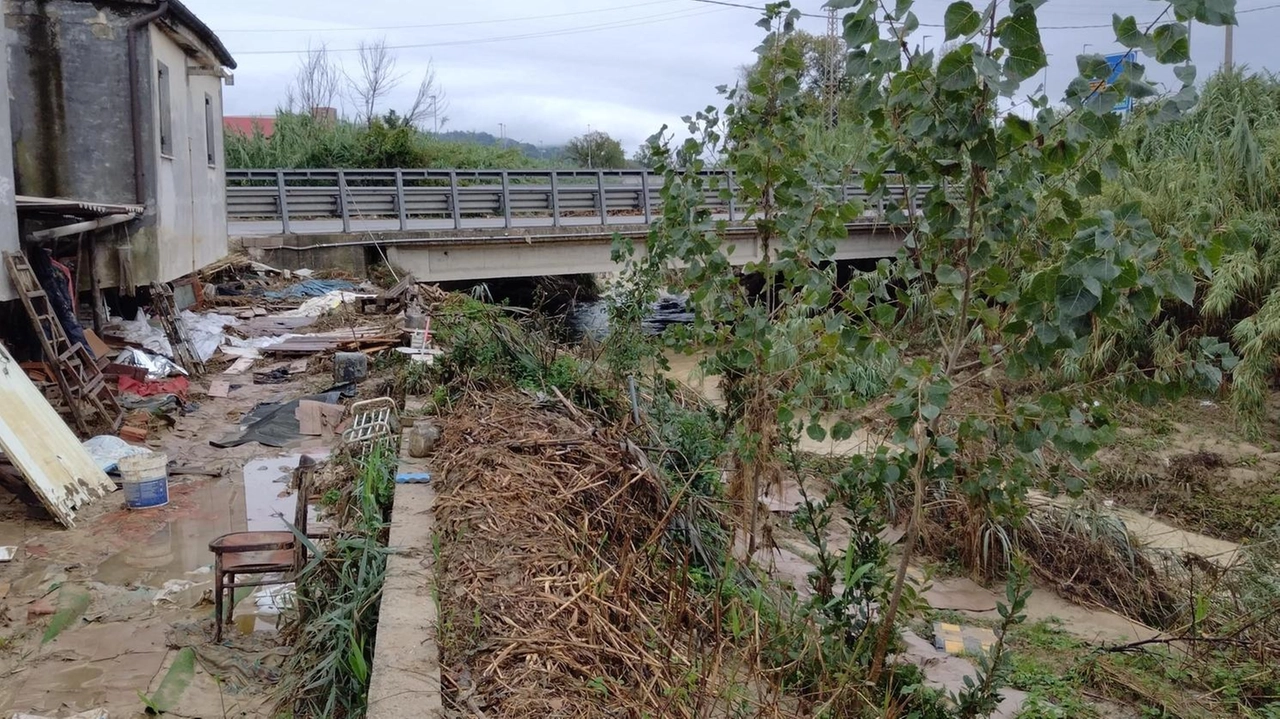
{"type": "Point", "coordinates": [551, 68]}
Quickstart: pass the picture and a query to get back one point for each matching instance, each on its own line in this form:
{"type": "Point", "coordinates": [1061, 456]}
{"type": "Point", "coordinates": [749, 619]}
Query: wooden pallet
{"type": "Point", "coordinates": [88, 399]}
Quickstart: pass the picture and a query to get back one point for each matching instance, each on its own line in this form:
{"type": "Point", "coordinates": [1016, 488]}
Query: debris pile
{"type": "Point", "coordinates": [562, 591]}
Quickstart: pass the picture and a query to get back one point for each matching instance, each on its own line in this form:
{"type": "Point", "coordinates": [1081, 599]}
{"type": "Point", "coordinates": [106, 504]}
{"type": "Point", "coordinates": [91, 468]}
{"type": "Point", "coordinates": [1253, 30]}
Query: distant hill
{"type": "Point", "coordinates": [550, 152]}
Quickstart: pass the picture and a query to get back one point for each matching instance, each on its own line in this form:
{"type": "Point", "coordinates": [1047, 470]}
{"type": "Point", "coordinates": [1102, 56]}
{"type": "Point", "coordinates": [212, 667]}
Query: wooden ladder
{"type": "Point", "coordinates": [175, 328]}
{"type": "Point", "coordinates": [88, 398]}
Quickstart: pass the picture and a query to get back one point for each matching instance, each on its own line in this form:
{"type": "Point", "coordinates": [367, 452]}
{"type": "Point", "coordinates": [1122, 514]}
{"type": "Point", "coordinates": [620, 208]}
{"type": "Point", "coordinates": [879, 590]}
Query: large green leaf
{"type": "Point", "coordinates": [1074, 299]}
{"type": "Point", "coordinates": [1019, 30]}
{"type": "Point", "coordinates": [961, 19]}
{"type": "Point", "coordinates": [956, 72]}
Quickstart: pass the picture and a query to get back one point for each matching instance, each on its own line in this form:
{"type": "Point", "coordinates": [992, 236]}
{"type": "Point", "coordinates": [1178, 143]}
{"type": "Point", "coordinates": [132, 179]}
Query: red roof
{"type": "Point", "coordinates": [245, 124]}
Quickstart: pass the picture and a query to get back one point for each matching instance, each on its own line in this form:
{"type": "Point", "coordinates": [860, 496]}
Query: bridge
{"type": "Point", "coordinates": [445, 225]}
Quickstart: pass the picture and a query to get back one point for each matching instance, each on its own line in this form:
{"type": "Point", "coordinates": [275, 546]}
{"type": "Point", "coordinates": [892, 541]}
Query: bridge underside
{"type": "Point", "coordinates": [485, 254]}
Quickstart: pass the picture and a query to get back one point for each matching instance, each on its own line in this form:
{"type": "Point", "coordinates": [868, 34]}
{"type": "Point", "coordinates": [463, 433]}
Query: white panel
{"type": "Point", "coordinates": [43, 448]}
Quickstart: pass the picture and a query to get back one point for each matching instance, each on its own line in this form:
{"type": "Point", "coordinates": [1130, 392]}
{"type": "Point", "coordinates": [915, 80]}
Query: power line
{"type": "Point", "coordinates": [1099, 26]}
{"type": "Point", "coordinates": [449, 24]}
{"type": "Point", "coordinates": [633, 22]}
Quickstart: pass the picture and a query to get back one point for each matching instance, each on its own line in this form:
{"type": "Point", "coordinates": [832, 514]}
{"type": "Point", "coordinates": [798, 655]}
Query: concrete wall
{"type": "Point", "coordinates": [8, 218]}
{"type": "Point", "coordinates": [208, 180]}
{"type": "Point", "coordinates": [69, 79]}
{"type": "Point", "coordinates": [191, 214]}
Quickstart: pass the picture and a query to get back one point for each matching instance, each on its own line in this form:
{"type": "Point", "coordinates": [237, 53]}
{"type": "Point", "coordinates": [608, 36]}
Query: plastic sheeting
{"type": "Point", "coordinates": [208, 331]}
{"type": "Point", "coordinates": [107, 450]}
{"type": "Point", "coordinates": [317, 306]}
{"type": "Point", "coordinates": [158, 367]}
{"type": "Point", "coordinates": [310, 288]}
{"type": "Point", "coordinates": [140, 331]}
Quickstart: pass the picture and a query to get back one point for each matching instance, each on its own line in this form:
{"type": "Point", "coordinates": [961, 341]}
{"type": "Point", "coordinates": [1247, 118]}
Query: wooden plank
{"type": "Point", "coordinates": [240, 366]}
{"type": "Point", "coordinates": [220, 388]}
{"type": "Point", "coordinates": [99, 348]}
{"type": "Point", "coordinates": [43, 448]}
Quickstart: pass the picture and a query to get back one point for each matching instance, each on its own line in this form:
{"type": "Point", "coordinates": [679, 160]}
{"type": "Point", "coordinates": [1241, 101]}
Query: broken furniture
{"type": "Point", "coordinates": [83, 388]}
{"type": "Point", "coordinates": [270, 558]}
{"type": "Point", "coordinates": [175, 329]}
{"type": "Point", "coordinates": [390, 301]}
{"type": "Point", "coordinates": [372, 421]}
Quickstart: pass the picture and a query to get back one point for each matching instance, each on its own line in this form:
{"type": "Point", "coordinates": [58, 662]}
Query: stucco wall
{"type": "Point", "coordinates": [192, 216]}
{"type": "Point", "coordinates": [69, 78]}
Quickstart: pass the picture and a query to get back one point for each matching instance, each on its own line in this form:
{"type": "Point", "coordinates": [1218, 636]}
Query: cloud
{"type": "Point", "coordinates": [622, 66]}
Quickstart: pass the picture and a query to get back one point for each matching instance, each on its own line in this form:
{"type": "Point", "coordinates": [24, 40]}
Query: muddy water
{"type": "Point", "coordinates": [139, 594]}
{"type": "Point", "coordinates": [258, 500]}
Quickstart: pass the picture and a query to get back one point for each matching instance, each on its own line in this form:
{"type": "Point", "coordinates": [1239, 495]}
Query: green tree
{"type": "Point", "coordinates": [1001, 276]}
{"type": "Point", "coordinates": [596, 150]}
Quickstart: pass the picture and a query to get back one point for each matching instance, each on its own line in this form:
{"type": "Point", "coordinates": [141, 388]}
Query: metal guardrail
{"type": "Point", "coordinates": [405, 194]}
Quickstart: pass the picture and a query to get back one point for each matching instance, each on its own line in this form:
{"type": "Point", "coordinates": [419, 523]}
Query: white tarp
{"type": "Point", "coordinates": [42, 447]}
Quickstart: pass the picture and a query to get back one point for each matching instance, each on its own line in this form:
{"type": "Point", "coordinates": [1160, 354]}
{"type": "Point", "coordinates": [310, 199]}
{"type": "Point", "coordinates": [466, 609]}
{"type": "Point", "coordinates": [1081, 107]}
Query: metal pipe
{"type": "Point", "coordinates": [136, 109]}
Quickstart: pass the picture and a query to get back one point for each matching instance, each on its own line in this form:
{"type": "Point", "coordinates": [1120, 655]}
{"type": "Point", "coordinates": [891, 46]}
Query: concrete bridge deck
{"type": "Point", "coordinates": [455, 225]}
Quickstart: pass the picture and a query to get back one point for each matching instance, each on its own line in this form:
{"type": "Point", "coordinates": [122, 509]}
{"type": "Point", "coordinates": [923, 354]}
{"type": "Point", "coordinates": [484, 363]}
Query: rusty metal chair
{"type": "Point", "coordinates": [260, 554]}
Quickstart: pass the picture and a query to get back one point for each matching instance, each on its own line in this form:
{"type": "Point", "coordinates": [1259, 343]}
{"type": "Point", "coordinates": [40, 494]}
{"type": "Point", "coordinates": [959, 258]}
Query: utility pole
{"type": "Point", "coordinates": [1227, 56]}
{"type": "Point", "coordinates": [590, 146]}
{"type": "Point", "coordinates": [835, 53]}
{"type": "Point", "coordinates": [435, 114]}
{"type": "Point", "coordinates": [502, 134]}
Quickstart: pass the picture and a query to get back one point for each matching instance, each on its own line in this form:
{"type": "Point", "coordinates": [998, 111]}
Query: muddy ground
{"type": "Point", "coordinates": [145, 575]}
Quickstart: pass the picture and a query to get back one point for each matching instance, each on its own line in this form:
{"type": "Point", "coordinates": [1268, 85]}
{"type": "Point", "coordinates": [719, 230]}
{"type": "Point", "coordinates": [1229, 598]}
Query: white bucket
{"type": "Point", "coordinates": [146, 480]}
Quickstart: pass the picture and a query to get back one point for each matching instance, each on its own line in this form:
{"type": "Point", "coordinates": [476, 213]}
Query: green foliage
{"type": "Point", "coordinates": [596, 150]}
{"type": "Point", "coordinates": [1213, 177]}
{"type": "Point", "coordinates": [1002, 273]}
{"type": "Point", "coordinates": [338, 595]}
{"type": "Point", "coordinates": [168, 696]}
{"type": "Point", "coordinates": [299, 140]}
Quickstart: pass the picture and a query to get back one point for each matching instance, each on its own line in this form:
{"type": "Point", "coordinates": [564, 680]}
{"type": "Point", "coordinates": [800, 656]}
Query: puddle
{"type": "Point", "coordinates": [257, 501]}
{"type": "Point", "coordinates": [77, 678]}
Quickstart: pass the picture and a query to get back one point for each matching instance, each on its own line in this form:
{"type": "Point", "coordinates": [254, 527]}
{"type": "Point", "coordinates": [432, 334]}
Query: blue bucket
{"type": "Point", "coordinates": [146, 480]}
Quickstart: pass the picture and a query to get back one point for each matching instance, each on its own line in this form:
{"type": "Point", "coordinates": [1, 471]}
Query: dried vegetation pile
{"type": "Point", "coordinates": [561, 591]}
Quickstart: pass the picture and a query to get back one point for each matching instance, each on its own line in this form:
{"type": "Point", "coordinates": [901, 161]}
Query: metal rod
{"type": "Point", "coordinates": [283, 200]}
{"type": "Point", "coordinates": [600, 201]}
{"type": "Point", "coordinates": [733, 204]}
{"type": "Point", "coordinates": [644, 190]}
{"type": "Point", "coordinates": [400, 208]}
{"type": "Point", "coordinates": [453, 200]}
{"type": "Point", "coordinates": [342, 201]}
{"type": "Point", "coordinates": [506, 200]}
{"type": "Point", "coordinates": [555, 199]}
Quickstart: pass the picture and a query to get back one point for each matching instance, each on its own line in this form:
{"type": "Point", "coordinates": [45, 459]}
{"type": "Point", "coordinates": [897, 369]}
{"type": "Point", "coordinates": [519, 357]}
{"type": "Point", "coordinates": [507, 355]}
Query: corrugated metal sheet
{"type": "Point", "coordinates": [81, 208]}
{"type": "Point", "coordinates": [43, 448]}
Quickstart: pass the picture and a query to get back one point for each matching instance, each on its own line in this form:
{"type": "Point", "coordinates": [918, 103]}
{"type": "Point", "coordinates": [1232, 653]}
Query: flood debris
{"type": "Point", "coordinates": [42, 447]}
{"type": "Point", "coordinates": [556, 574]}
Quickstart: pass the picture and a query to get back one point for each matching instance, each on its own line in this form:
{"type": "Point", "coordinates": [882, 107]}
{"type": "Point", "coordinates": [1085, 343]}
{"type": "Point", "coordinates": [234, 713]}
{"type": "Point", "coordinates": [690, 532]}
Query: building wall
{"type": "Point", "coordinates": [190, 192]}
{"type": "Point", "coordinates": [208, 180]}
{"type": "Point", "coordinates": [69, 77]}
{"type": "Point", "coordinates": [8, 218]}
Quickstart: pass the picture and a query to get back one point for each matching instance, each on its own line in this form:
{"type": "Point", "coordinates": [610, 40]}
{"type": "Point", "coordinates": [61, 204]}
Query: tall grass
{"type": "Point", "coordinates": [302, 141]}
{"type": "Point", "coordinates": [1215, 174]}
{"type": "Point", "coordinates": [338, 595]}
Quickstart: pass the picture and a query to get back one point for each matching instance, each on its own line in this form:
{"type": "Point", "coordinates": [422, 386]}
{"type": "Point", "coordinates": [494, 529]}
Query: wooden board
{"type": "Point", "coordinates": [219, 388]}
{"type": "Point", "coordinates": [43, 448]}
{"type": "Point", "coordinates": [96, 345]}
{"type": "Point", "coordinates": [240, 366]}
{"type": "Point", "coordinates": [318, 418]}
